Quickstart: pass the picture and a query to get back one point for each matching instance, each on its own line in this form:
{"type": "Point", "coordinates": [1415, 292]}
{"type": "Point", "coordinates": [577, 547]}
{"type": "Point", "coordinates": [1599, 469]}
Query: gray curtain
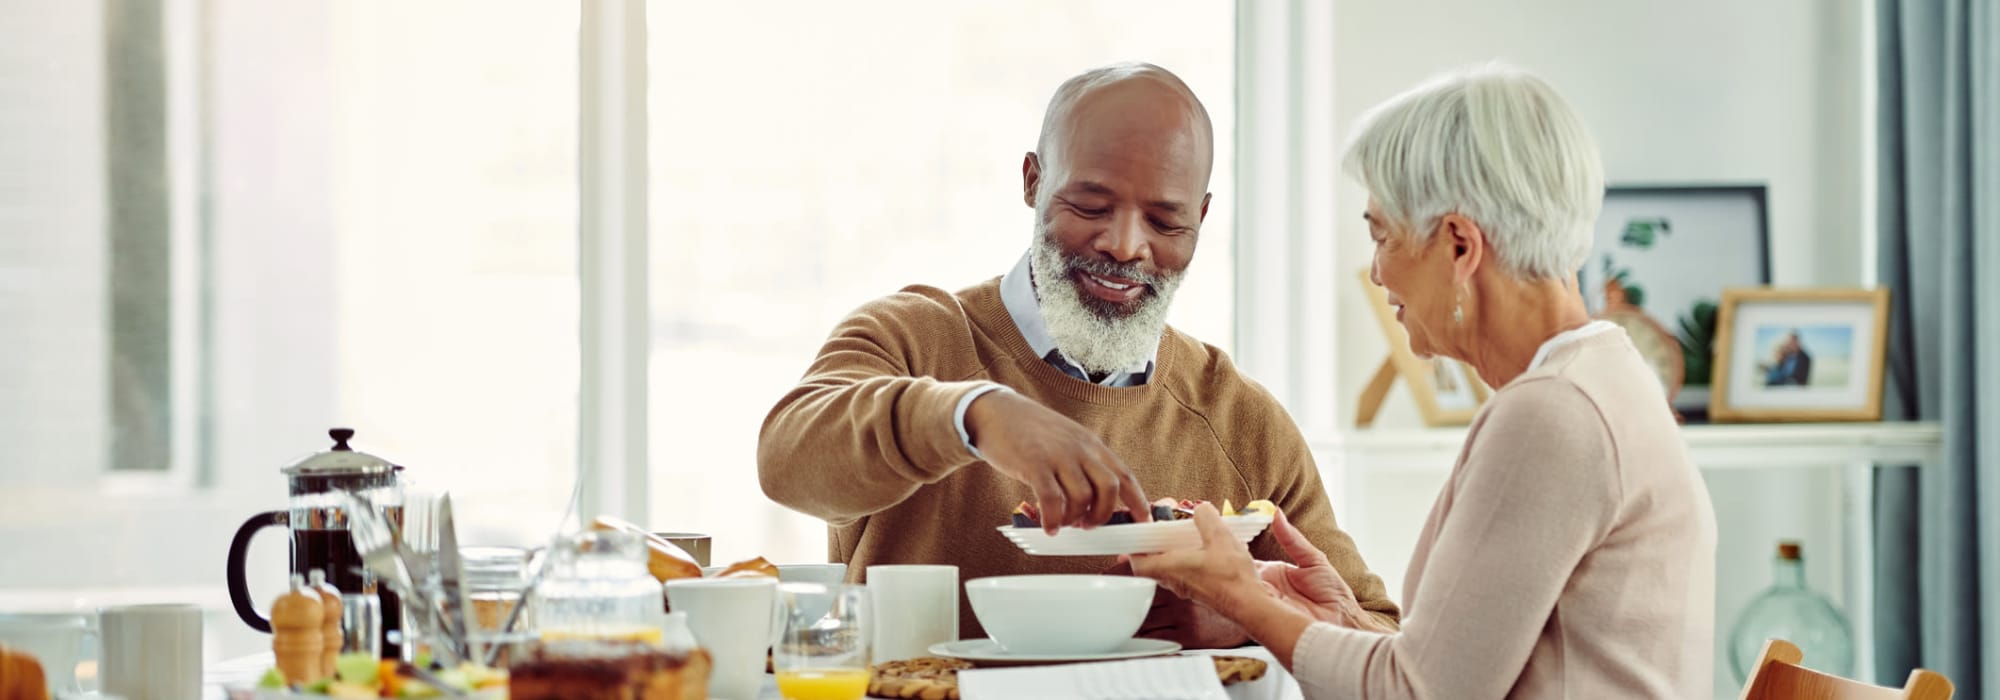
{"type": "Point", "coordinates": [1937, 592]}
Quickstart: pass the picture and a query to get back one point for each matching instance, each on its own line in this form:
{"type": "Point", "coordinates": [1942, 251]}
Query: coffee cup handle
{"type": "Point", "coordinates": [239, 547]}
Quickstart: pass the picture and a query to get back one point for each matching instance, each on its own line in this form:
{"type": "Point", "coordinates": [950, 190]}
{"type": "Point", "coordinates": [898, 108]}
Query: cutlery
{"type": "Point", "coordinates": [541, 569]}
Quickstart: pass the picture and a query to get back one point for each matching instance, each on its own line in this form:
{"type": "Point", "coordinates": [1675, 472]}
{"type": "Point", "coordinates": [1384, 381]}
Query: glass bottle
{"type": "Point", "coordinates": [599, 589]}
{"type": "Point", "coordinates": [1790, 611]}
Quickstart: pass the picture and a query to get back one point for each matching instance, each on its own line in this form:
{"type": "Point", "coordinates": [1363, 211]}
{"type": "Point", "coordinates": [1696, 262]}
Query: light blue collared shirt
{"type": "Point", "coordinates": [1017, 291]}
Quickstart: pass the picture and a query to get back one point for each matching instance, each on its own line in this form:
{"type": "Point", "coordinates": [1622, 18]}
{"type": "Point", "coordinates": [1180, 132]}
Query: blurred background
{"type": "Point", "coordinates": [228, 225]}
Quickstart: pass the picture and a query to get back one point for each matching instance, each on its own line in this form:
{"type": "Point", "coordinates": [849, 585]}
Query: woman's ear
{"type": "Point", "coordinates": [1468, 246]}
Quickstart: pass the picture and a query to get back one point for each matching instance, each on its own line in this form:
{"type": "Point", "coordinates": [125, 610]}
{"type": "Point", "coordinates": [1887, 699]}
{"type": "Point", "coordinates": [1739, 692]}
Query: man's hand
{"type": "Point", "coordinates": [1076, 479]}
{"type": "Point", "coordinates": [1177, 619]}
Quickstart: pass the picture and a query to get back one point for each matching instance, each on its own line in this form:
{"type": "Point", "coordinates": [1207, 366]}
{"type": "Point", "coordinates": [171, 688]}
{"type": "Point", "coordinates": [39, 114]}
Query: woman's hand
{"type": "Point", "coordinates": [1220, 575]}
{"type": "Point", "coordinates": [1312, 585]}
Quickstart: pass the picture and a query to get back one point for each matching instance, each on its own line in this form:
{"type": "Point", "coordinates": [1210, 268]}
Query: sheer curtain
{"type": "Point", "coordinates": [1938, 527]}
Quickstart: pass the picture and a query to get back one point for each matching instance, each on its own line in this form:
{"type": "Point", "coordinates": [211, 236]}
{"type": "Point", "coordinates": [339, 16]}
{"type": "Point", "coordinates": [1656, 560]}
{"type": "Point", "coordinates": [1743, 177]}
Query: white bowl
{"type": "Point", "coordinates": [1060, 614]}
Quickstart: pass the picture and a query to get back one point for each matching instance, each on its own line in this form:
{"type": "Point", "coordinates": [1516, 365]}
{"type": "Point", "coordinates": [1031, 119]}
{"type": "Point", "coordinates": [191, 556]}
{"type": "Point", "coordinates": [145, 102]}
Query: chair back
{"type": "Point", "coordinates": [1778, 676]}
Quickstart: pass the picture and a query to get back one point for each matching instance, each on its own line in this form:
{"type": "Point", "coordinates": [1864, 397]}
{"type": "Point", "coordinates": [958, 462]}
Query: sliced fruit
{"type": "Point", "coordinates": [1260, 507]}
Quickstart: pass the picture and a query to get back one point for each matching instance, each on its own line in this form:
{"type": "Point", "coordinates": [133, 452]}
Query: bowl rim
{"type": "Point", "coordinates": [1104, 581]}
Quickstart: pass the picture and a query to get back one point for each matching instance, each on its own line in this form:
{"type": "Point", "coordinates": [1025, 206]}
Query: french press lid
{"type": "Point", "coordinates": [341, 460]}
{"type": "Point", "coordinates": [340, 469]}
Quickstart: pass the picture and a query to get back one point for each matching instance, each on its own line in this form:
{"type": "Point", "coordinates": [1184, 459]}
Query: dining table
{"type": "Point", "coordinates": [244, 671]}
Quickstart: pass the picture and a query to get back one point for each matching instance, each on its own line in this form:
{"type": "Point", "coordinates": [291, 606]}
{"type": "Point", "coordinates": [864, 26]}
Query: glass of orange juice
{"type": "Point", "coordinates": [822, 653]}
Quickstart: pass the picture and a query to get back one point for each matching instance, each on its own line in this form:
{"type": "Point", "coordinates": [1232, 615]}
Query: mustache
{"type": "Point", "coordinates": [1106, 268]}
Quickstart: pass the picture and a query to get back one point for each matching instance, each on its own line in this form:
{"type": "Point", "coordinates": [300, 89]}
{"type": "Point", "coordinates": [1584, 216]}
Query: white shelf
{"type": "Point", "coordinates": [1737, 446]}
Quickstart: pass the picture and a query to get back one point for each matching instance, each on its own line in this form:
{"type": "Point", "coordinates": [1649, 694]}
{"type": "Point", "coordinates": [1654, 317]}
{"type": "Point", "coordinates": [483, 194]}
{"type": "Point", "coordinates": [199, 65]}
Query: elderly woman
{"type": "Point", "coordinates": [1571, 553]}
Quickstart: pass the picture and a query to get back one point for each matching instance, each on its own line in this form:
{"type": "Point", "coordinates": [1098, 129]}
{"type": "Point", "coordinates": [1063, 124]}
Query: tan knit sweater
{"type": "Point", "coordinates": [867, 441]}
{"type": "Point", "coordinates": [1570, 555]}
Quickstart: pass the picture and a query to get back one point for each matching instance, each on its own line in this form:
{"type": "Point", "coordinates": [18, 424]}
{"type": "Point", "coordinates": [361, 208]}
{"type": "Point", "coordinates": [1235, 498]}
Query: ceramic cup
{"type": "Point", "coordinates": [151, 652]}
{"type": "Point", "coordinates": [736, 620]}
{"type": "Point", "coordinates": [914, 606]}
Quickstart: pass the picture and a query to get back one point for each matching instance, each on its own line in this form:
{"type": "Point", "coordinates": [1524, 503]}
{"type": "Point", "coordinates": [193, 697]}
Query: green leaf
{"type": "Point", "coordinates": [1635, 294]}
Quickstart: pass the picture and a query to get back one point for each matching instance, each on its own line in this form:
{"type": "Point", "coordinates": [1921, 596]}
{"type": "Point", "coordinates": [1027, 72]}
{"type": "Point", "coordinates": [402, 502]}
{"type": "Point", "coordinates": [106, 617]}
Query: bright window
{"type": "Point", "coordinates": [802, 167]}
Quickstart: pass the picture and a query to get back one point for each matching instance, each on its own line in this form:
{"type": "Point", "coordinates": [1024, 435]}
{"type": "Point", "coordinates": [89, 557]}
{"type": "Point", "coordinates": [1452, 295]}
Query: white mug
{"type": "Point", "coordinates": [736, 620]}
{"type": "Point", "coordinates": [151, 652]}
{"type": "Point", "coordinates": [54, 639]}
{"type": "Point", "coordinates": [914, 606]}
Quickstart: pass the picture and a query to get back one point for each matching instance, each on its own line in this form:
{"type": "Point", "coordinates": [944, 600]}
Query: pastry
{"type": "Point", "coordinates": [21, 676]}
{"type": "Point", "coordinates": [924, 678]}
{"type": "Point", "coordinates": [601, 670]}
{"type": "Point", "coordinates": [752, 567]}
{"type": "Point", "coordinates": [665, 560]}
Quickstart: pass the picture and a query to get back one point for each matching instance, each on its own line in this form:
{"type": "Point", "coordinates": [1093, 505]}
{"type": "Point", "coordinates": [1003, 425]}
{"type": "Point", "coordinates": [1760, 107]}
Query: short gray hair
{"type": "Point", "coordinates": [1496, 145]}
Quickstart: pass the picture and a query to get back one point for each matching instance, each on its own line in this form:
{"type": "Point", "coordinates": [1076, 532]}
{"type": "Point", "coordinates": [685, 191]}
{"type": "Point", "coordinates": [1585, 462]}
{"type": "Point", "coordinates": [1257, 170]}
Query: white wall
{"type": "Point", "coordinates": [1692, 91]}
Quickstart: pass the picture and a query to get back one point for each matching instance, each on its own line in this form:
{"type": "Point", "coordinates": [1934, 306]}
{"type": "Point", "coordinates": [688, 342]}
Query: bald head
{"type": "Point", "coordinates": [1140, 106]}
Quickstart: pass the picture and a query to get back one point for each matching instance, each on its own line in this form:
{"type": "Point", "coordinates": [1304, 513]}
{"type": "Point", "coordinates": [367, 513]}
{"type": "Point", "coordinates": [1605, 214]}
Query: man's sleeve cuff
{"type": "Point", "coordinates": [958, 415]}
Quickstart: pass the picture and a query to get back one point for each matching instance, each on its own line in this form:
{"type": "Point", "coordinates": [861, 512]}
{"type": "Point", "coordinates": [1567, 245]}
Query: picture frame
{"type": "Point", "coordinates": [1797, 355]}
{"type": "Point", "coordinates": [1447, 392]}
{"type": "Point", "coordinates": [1674, 248]}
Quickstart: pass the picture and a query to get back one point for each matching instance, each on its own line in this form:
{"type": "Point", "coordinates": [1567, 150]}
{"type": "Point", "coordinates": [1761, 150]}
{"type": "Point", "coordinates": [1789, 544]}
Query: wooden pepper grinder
{"type": "Point", "coordinates": [329, 625]}
{"type": "Point", "coordinates": [295, 632]}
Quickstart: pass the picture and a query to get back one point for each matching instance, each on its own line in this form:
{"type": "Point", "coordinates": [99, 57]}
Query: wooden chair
{"type": "Point", "coordinates": [1778, 676]}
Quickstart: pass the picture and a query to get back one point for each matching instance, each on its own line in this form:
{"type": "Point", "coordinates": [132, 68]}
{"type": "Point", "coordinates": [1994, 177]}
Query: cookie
{"type": "Point", "coordinates": [924, 678]}
{"type": "Point", "coordinates": [1237, 669]}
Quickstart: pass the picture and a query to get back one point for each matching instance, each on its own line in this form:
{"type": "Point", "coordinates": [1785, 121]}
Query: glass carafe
{"type": "Point", "coordinates": [1790, 611]}
{"type": "Point", "coordinates": [599, 588]}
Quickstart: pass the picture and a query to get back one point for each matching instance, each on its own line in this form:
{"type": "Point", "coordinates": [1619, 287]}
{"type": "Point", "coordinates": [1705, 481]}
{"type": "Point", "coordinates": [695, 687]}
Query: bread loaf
{"type": "Point", "coordinates": [21, 676]}
{"type": "Point", "coordinates": [753, 567]}
{"type": "Point", "coordinates": [665, 560]}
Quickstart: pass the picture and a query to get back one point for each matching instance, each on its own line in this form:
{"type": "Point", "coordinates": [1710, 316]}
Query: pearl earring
{"type": "Point", "coordinates": [1458, 308]}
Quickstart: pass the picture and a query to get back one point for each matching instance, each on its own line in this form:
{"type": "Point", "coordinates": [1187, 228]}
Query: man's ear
{"type": "Point", "coordinates": [1031, 178]}
{"type": "Point", "coordinates": [1205, 199]}
{"type": "Point", "coordinates": [1468, 247]}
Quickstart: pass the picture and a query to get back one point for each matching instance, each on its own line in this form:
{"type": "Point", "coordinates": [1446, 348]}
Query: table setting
{"type": "Point", "coordinates": [383, 600]}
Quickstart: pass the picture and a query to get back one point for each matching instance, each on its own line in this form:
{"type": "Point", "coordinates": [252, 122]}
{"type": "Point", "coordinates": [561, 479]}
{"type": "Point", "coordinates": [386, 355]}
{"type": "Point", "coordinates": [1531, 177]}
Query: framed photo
{"type": "Point", "coordinates": [1800, 355]}
{"type": "Point", "coordinates": [1672, 249]}
{"type": "Point", "coordinates": [1446, 391]}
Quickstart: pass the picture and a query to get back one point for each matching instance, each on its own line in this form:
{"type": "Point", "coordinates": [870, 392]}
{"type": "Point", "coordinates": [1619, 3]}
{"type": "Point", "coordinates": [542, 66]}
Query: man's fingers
{"type": "Point", "coordinates": [1103, 491]}
{"type": "Point", "coordinates": [1049, 497]}
{"type": "Point", "coordinates": [1295, 544]}
{"type": "Point", "coordinates": [1076, 495]}
{"type": "Point", "coordinates": [1132, 495]}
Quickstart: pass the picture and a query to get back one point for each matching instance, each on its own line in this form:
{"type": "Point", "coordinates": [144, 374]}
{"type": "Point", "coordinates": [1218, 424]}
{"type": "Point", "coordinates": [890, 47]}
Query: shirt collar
{"type": "Point", "coordinates": [1566, 337]}
{"type": "Point", "coordinates": [1017, 291]}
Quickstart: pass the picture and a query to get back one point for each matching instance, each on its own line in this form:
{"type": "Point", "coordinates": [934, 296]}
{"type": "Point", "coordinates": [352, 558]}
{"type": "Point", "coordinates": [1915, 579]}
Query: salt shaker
{"type": "Point", "coordinates": [329, 625]}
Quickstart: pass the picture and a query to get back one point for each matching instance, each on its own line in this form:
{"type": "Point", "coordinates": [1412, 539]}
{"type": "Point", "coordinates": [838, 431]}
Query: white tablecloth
{"type": "Point", "coordinates": [1275, 685]}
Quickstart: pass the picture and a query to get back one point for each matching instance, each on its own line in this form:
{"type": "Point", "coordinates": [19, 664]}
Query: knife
{"type": "Point", "coordinates": [451, 574]}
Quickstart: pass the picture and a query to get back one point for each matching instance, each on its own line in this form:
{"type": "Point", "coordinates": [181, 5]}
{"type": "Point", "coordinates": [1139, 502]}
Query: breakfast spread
{"type": "Point", "coordinates": [1027, 515]}
{"type": "Point", "coordinates": [597, 670]}
{"type": "Point", "coordinates": [360, 676]}
{"type": "Point", "coordinates": [21, 676]}
{"type": "Point", "coordinates": [933, 678]}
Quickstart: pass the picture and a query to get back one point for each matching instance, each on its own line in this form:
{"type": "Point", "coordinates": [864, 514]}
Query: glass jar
{"type": "Point", "coordinates": [1790, 611]}
{"type": "Point", "coordinates": [599, 588]}
{"type": "Point", "coordinates": [494, 580]}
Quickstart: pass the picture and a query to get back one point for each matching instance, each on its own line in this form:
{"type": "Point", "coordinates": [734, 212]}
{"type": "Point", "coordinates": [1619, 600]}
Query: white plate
{"type": "Point", "coordinates": [1131, 538]}
{"type": "Point", "coordinates": [988, 652]}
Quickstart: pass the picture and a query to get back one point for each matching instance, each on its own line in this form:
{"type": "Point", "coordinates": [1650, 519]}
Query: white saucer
{"type": "Point", "coordinates": [987, 652]}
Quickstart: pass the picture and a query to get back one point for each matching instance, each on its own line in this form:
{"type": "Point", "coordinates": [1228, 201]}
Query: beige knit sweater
{"type": "Point", "coordinates": [1570, 555]}
{"type": "Point", "coordinates": [867, 441]}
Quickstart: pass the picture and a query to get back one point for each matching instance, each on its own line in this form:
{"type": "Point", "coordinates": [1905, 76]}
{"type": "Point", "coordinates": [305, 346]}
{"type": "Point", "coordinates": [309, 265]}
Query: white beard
{"type": "Point", "coordinates": [1097, 337]}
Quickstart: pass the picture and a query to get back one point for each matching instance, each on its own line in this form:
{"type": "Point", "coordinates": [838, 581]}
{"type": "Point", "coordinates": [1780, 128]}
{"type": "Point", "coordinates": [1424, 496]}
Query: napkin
{"type": "Point", "coordinates": [1170, 678]}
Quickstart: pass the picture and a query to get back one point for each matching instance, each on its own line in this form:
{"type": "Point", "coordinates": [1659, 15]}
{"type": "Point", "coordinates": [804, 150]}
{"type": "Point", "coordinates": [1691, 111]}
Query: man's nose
{"type": "Point", "coordinates": [1125, 239]}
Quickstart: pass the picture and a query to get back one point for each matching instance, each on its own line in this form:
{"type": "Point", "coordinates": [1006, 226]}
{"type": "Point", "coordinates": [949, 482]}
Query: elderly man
{"type": "Point", "coordinates": [929, 414]}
